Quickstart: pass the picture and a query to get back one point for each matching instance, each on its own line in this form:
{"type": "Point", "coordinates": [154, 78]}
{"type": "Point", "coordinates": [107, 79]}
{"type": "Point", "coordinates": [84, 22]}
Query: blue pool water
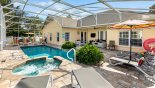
{"type": "Point", "coordinates": [35, 67]}
{"type": "Point", "coordinates": [43, 50]}
{"type": "Point", "coordinates": [38, 66]}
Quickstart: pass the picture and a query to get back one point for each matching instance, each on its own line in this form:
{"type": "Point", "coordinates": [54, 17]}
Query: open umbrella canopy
{"type": "Point", "coordinates": [132, 24]}
{"type": "Point", "coordinates": [153, 24]}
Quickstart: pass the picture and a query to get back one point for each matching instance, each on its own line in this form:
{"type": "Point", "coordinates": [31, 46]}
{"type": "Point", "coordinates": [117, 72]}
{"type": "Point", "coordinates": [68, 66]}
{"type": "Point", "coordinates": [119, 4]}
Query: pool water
{"type": "Point", "coordinates": [43, 50]}
{"type": "Point", "coordinates": [35, 67]}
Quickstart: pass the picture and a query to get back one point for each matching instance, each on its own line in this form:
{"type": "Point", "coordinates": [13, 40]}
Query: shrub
{"type": "Point", "coordinates": [90, 55]}
{"type": "Point", "coordinates": [68, 45]}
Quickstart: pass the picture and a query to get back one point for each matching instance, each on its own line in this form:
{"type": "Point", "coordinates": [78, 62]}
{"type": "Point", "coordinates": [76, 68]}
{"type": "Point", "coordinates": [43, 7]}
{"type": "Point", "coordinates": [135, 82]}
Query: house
{"type": "Point", "coordinates": [96, 27]}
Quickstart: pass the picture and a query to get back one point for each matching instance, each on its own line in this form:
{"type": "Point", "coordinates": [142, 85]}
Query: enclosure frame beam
{"type": "Point", "coordinates": [42, 7]}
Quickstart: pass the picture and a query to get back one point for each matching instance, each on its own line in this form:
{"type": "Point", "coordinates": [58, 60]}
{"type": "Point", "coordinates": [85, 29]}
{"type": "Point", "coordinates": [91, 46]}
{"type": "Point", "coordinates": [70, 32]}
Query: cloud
{"type": "Point", "coordinates": [45, 3]}
{"type": "Point", "coordinates": [17, 4]}
{"type": "Point", "coordinates": [49, 12]}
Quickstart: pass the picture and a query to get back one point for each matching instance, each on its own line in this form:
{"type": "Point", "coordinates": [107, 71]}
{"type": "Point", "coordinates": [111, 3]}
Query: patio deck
{"type": "Point", "coordinates": [118, 76]}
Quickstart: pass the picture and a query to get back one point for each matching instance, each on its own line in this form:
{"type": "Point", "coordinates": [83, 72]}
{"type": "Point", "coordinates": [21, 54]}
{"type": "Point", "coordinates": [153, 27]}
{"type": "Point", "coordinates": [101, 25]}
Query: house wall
{"type": "Point", "coordinates": [114, 35]}
{"type": "Point", "coordinates": [89, 34]}
{"type": "Point", "coordinates": [74, 34]}
{"type": "Point", "coordinates": [54, 27]}
{"type": "Point", "coordinates": [89, 31]}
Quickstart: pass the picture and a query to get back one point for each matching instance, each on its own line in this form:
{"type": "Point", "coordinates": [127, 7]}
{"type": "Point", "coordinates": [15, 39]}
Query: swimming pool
{"type": "Point", "coordinates": [43, 50]}
{"type": "Point", "coordinates": [36, 67]}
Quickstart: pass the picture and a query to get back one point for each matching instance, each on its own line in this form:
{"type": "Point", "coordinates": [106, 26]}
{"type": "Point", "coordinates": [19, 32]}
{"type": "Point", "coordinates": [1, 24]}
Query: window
{"type": "Point", "coordinates": [50, 36]}
{"type": "Point", "coordinates": [123, 38]}
{"type": "Point", "coordinates": [136, 38]}
{"type": "Point", "coordinates": [67, 36]}
{"type": "Point", "coordinates": [58, 36]}
{"type": "Point", "coordinates": [135, 35]}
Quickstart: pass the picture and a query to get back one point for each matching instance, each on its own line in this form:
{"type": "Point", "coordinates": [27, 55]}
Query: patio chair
{"type": "Point", "coordinates": [82, 43]}
{"type": "Point", "coordinates": [35, 82]}
{"type": "Point", "coordinates": [89, 78]}
{"type": "Point", "coordinates": [78, 42]}
{"type": "Point", "coordinates": [111, 45]}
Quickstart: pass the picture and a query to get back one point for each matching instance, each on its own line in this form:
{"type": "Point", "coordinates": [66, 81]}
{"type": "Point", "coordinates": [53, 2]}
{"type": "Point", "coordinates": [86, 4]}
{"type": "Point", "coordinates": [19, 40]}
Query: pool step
{"type": "Point", "coordinates": [45, 57]}
{"type": "Point", "coordinates": [58, 58]}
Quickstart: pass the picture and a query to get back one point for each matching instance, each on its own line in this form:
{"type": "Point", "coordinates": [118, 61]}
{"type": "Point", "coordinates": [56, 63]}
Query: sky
{"type": "Point", "coordinates": [99, 6]}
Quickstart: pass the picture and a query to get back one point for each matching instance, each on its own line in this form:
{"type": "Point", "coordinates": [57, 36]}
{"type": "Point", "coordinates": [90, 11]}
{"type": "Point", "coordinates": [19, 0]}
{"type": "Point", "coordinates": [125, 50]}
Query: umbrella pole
{"type": "Point", "coordinates": [130, 45]}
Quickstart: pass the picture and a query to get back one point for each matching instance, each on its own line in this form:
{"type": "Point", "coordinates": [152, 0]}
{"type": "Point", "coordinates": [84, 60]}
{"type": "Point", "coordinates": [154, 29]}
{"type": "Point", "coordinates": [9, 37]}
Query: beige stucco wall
{"type": "Point", "coordinates": [92, 30]}
{"type": "Point", "coordinates": [149, 33]}
{"type": "Point", "coordinates": [114, 35]}
{"type": "Point", "coordinates": [89, 34]}
{"type": "Point", "coordinates": [74, 34]}
{"type": "Point", "coordinates": [54, 27]}
{"type": "Point", "coordinates": [89, 31]}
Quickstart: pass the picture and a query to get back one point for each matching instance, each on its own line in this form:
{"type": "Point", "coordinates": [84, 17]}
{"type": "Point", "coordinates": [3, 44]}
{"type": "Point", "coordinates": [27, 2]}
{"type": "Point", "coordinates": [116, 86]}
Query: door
{"type": "Point", "coordinates": [83, 36]}
{"type": "Point", "coordinates": [102, 35]}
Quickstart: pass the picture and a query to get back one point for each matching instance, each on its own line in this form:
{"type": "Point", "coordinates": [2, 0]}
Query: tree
{"type": "Point", "coordinates": [152, 11]}
{"type": "Point", "coordinates": [12, 30]}
{"type": "Point", "coordinates": [69, 16]}
{"type": "Point", "coordinates": [4, 2]}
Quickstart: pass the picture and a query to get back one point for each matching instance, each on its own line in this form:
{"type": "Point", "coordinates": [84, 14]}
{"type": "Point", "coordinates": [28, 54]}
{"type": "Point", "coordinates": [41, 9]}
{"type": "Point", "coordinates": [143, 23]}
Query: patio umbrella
{"type": "Point", "coordinates": [130, 25]}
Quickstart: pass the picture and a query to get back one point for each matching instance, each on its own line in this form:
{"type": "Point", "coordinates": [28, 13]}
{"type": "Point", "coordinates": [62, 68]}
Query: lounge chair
{"type": "Point", "coordinates": [126, 55]}
{"type": "Point", "coordinates": [133, 63]}
{"type": "Point", "coordinates": [121, 61]}
{"type": "Point", "coordinates": [89, 78]}
{"type": "Point", "coordinates": [35, 82]}
{"type": "Point", "coordinates": [111, 45]}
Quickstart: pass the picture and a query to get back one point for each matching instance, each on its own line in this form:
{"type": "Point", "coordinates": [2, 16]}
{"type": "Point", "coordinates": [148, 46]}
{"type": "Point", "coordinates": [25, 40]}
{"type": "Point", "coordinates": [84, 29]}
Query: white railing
{"type": "Point", "coordinates": [73, 59]}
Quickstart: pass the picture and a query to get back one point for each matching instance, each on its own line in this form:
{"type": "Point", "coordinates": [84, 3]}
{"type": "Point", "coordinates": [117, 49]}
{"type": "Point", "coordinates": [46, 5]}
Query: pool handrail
{"type": "Point", "coordinates": [73, 59]}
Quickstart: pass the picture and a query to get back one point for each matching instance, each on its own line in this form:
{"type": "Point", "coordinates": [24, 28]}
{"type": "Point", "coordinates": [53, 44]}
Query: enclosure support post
{"type": "Point", "coordinates": [1, 29]}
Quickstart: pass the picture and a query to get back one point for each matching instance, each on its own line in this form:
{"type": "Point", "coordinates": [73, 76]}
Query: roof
{"type": "Point", "coordinates": [64, 21]}
{"type": "Point", "coordinates": [103, 18]}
